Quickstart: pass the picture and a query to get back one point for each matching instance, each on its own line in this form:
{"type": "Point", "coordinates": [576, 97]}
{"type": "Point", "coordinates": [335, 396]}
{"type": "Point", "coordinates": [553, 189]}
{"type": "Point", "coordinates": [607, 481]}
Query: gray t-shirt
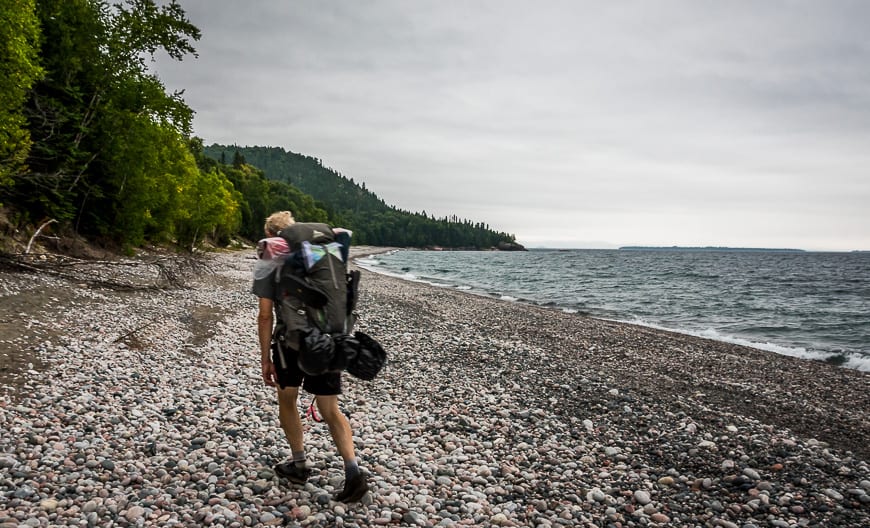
{"type": "Point", "coordinates": [265, 287]}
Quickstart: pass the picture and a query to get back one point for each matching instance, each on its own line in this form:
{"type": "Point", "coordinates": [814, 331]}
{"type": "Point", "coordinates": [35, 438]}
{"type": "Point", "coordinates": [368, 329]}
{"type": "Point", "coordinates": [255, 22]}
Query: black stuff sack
{"type": "Point", "coordinates": [366, 357]}
{"type": "Point", "coordinates": [315, 353]}
{"type": "Point", "coordinates": [322, 353]}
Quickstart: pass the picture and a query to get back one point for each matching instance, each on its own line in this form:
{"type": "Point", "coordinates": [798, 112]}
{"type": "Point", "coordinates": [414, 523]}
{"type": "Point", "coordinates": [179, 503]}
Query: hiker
{"type": "Point", "coordinates": [325, 387]}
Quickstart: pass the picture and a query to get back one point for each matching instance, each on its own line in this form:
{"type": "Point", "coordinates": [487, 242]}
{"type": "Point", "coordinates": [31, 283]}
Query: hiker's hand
{"type": "Point", "coordinates": [269, 374]}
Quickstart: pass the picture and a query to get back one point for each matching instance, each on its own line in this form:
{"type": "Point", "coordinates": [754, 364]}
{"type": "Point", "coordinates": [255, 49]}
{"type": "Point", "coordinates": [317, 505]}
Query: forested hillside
{"type": "Point", "coordinates": [93, 145]}
{"type": "Point", "coordinates": [303, 172]}
{"type": "Point", "coordinates": [92, 139]}
{"type": "Point", "coordinates": [351, 204]}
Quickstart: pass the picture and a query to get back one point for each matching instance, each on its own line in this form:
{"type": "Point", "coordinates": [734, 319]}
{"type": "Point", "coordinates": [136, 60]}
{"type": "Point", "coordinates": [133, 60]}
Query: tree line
{"type": "Point", "coordinates": [350, 204]}
{"type": "Point", "coordinates": [91, 138]}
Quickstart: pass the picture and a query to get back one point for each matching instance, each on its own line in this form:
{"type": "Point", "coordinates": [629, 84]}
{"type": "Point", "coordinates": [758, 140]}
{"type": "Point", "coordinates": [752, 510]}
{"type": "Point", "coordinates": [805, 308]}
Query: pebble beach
{"type": "Point", "coordinates": [146, 408]}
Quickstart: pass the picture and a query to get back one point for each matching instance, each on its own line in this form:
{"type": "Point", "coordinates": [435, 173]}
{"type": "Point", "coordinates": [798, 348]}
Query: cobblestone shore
{"type": "Point", "coordinates": [147, 409]}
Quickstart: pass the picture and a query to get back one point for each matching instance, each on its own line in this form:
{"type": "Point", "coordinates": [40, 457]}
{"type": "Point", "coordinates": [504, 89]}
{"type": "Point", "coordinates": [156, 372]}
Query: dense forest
{"type": "Point", "coordinates": [91, 141]}
{"type": "Point", "coordinates": [350, 204]}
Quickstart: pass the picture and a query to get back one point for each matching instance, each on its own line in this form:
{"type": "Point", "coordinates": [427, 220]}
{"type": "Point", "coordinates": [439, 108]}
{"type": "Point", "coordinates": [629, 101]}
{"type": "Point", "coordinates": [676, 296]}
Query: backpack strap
{"type": "Point", "coordinates": [352, 290]}
{"type": "Point", "coordinates": [312, 412]}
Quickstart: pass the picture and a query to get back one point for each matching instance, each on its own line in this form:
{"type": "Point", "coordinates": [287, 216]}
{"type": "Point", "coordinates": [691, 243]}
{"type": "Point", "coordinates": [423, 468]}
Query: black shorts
{"type": "Point", "coordinates": [292, 376]}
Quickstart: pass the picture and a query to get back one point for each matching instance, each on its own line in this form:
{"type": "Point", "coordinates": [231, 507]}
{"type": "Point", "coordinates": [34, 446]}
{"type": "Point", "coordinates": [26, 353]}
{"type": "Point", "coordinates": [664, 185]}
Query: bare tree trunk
{"type": "Point", "coordinates": [30, 243]}
{"type": "Point", "coordinates": [193, 242]}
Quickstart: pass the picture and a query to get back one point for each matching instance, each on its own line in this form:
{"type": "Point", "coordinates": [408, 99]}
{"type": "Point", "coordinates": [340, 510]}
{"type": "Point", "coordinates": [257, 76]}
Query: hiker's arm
{"type": "Point", "coordinates": [264, 336]}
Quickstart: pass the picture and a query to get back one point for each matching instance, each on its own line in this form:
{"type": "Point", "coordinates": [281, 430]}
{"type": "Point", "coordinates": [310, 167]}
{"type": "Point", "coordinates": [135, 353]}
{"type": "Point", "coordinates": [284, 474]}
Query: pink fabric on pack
{"type": "Point", "coordinates": [272, 248]}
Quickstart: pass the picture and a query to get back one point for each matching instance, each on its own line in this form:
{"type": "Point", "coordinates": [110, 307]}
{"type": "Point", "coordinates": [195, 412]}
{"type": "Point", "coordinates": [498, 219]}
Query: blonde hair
{"type": "Point", "coordinates": [278, 221]}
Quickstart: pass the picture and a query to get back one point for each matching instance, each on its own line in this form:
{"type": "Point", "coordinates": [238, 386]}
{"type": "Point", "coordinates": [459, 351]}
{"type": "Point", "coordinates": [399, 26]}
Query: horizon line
{"type": "Point", "coordinates": [708, 248]}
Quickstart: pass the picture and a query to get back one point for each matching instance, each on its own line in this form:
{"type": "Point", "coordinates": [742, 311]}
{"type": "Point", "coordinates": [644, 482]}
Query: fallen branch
{"type": "Point", "coordinates": [169, 272]}
{"type": "Point", "coordinates": [138, 328]}
{"type": "Point", "coordinates": [47, 222]}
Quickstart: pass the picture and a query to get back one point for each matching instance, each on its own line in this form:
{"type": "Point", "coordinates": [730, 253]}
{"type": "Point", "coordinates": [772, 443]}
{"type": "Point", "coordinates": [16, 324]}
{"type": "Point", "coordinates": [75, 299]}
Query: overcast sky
{"type": "Point", "coordinates": [568, 124]}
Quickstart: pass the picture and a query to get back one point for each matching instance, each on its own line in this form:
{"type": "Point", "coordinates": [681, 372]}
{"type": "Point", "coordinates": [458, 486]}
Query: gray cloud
{"type": "Point", "coordinates": [566, 123]}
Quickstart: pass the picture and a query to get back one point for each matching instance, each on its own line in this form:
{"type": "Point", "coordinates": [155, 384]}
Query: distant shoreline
{"type": "Point", "coordinates": [711, 249]}
{"type": "Point", "coordinates": [708, 248]}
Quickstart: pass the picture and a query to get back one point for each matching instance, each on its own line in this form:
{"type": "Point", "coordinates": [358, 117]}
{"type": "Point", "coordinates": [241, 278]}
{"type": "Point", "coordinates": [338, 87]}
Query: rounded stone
{"type": "Point", "coordinates": [642, 497]}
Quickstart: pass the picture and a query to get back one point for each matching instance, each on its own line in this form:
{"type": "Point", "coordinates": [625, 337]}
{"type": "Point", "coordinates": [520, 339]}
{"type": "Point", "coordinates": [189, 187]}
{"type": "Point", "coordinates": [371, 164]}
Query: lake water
{"type": "Point", "coordinates": [804, 304]}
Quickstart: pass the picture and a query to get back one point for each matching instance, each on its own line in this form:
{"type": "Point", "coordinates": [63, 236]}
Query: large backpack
{"type": "Point", "coordinates": [315, 295]}
{"type": "Point", "coordinates": [315, 289]}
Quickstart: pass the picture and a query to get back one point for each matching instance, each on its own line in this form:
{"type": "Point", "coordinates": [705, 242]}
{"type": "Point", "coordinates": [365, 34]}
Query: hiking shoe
{"type": "Point", "coordinates": [292, 472]}
{"type": "Point", "coordinates": [354, 489]}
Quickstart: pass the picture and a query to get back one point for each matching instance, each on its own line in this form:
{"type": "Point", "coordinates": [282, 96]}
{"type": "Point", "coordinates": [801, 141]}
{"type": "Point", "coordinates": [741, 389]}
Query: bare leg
{"type": "Point", "coordinates": [339, 427]}
{"type": "Point", "coordinates": [355, 482]}
{"type": "Point", "coordinates": [288, 415]}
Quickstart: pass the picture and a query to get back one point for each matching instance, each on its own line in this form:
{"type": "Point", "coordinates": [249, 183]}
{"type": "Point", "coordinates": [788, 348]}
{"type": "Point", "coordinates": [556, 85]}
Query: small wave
{"type": "Point", "coordinates": [857, 362]}
{"type": "Point", "coordinates": [381, 271]}
{"type": "Point", "coordinates": [850, 360]}
{"type": "Point", "coordinates": [798, 352]}
{"type": "Point", "coordinates": [368, 261]}
{"type": "Point", "coordinates": [508, 298]}
{"type": "Point", "coordinates": [570, 310]}
{"type": "Point", "coordinates": [463, 287]}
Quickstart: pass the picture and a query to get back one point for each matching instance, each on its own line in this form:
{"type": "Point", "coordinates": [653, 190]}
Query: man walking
{"type": "Point", "coordinates": [288, 377]}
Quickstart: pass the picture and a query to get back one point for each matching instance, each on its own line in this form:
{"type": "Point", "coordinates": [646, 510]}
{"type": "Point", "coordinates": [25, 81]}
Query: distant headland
{"type": "Point", "coordinates": [707, 248]}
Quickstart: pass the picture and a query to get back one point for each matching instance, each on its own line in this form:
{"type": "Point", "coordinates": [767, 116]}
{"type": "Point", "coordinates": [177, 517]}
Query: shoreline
{"type": "Point", "coordinates": [743, 361]}
{"type": "Point", "coordinates": [489, 413]}
{"type": "Point", "coordinates": [853, 360]}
